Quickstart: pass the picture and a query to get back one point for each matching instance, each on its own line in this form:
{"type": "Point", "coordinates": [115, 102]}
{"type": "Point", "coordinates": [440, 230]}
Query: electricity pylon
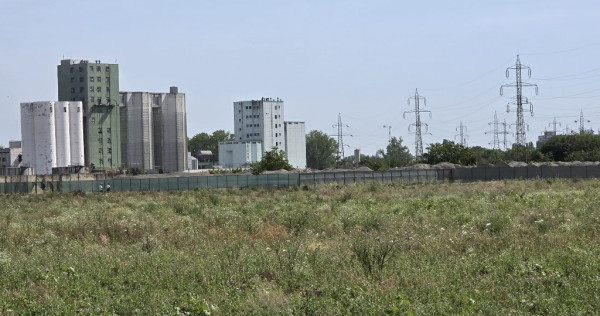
{"type": "Point", "coordinates": [519, 100]}
{"type": "Point", "coordinates": [418, 133]}
{"type": "Point", "coordinates": [340, 136]}
{"type": "Point", "coordinates": [463, 138]}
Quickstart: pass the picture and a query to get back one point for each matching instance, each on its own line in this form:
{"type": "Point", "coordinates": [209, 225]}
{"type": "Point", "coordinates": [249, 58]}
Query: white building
{"type": "Point", "coordinates": [236, 154]}
{"type": "Point", "coordinates": [262, 122]}
{"type": "Point", "coordinates": [52, 135]}
{"type": "Point", "coordinates": [295, 144]}
{"type": "Point", "coordinates": [154, 130]}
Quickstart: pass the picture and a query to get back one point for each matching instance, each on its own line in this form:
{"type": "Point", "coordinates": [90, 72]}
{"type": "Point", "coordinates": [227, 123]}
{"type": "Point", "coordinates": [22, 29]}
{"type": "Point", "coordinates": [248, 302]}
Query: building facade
{"type": "Point", "coordinates": [96, 85]}
{"type": "Point", "coordinates": [261, 124]}
{"type": "Point", "coordinates": [52, 135]}
{"type": "Point", "coordinates": [154, 130]}
{"type": "Point", "coordinates": [295, 144]}
{"type": "Point", "coordinates": [10, 157]}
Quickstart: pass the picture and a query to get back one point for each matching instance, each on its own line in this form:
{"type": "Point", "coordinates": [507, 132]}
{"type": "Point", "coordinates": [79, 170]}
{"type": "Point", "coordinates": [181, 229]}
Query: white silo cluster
{"type": "Point", "coordinates": [52, 135]}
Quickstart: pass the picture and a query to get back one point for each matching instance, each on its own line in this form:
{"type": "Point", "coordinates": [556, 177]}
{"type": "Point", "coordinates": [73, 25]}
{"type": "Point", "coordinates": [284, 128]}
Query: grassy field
{"type": "Point", "coordinates": [495, 248]}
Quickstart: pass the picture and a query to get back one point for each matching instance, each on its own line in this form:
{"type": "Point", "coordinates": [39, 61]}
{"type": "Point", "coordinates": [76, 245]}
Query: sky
{"type": "Point", "coordinates": [358, 60]}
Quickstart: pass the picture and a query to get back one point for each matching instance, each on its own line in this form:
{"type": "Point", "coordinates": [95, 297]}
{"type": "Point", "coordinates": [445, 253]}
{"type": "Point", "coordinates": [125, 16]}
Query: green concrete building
{"type": "Point", "coordinates": [96, 84]}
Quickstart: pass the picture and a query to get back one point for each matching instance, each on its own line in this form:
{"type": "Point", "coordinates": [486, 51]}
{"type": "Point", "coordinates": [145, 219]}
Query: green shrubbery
{"type": "Point", "coordinates": [438, 249]}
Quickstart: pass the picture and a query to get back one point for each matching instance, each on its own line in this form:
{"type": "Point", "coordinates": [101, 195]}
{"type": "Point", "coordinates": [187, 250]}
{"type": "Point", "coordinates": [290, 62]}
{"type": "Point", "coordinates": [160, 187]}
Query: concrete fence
{"type": "Point", "coordinates": [92, 183]}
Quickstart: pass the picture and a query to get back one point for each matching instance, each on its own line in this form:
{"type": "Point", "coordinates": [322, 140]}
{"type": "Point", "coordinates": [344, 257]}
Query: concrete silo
{"type": "Point", "coordinates": [63, 136]}
{"type": "Point", "coordinates": [45, 137]}
{"type": "Point", "coordinates": [76, 133]}
{"type": "Point", "coordinates": [27, 134]}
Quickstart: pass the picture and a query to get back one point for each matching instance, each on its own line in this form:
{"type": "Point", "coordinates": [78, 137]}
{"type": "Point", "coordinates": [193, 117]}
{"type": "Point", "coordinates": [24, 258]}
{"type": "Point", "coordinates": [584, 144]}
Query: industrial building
{"type": "Point", "coordinates": [96, 85]}
{"type": "Point", "coordinates": [154, 130]}
{"type": "Point", "coordinates": [259, 126]}
{"type": "Point", "coordinates": [52, 135]}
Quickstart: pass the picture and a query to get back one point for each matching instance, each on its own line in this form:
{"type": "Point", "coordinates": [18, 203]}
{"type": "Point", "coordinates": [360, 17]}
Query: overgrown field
{"type": "Point", "coordinates": [495, 248]}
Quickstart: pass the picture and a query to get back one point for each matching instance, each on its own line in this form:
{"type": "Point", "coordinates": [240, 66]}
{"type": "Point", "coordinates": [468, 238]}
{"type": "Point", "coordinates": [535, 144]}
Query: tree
{"type": "Point", "coordinates": [271, 161]}
{"type": "Point", "coordinates": [448, 151]}
{"type": "Point", "coordinates": [575, 147]}
{"type": "Point", "coordinates": [204, 141]}
{"type": "Point", "coordinates": [396, 154]}
{"type": "Point", "coordinates": [321, 150]}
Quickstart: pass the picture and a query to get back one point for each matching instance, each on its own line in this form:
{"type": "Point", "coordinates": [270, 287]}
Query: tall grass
{"type": "Point", "coordinates": [498, 248]}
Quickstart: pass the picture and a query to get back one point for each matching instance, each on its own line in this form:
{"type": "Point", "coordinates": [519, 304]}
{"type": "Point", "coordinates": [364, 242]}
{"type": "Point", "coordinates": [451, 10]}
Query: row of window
{"type": "Point", "coordinates": [109, 150]}
{"type": "Point", "coordinates": [100, 139]}
{"type": "Point", "coordinates": [101, 161]}
{"type": "Point", "coordinates": [252, 125]}
{"type": "Point", "coordinates": [97, 68]}
{"type": "Point", "coordinates": [98, 89]}
{"type": "Point", "coordinates": [92, 78]}
{"type": "Point", "coordinates": [252, 134]}
{"type": "Point", "coordinates": [100, 130]}
{"type": "Point", "coordinates": [251, 116]}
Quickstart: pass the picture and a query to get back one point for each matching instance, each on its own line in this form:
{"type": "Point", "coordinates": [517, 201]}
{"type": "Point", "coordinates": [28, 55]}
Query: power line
{"type": "Point", "coordinates": [582, 122]}
{"type": "Point", "coordinates": [418, 138]}
{"type": "Point", "coordinates": [519, 100]}
{"type": "Point", "coordinates": [554, 124]}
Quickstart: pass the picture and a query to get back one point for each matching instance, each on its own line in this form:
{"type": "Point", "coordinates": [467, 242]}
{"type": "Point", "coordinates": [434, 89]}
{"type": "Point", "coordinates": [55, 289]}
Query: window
{"type": "Point", "coordinates": [80, 89]}
{"type": "Point", "coordinates": [100, 140]}
{"type": "Point", "coordinates": [80, 79]}
{"type": "Point", "coordinates": [99, 150]}
{"type": "Point", "coordinates": [71, 70]}
{"type": "Point", "coordinates": [109, 150]}
{"type": "Point", "coordinates": [50, 109]}
{"type": "Point", "coordinates": [108, 140]}
{"type": "Point", "coordinates": [72, 79]}
{"type": "Point", "coordinates": [98, 89]}
{"type": "Point", "coordinates": [91, 68]}
{"type": "Point", "coordinates": [98, 68]}
{"type": "Point", "coordinates": [108, 129]}
{"type": "Point", "coordinates": [107, 79]}
{"type": "Point", "coordinates": [65, 109]}
{"type": "Point", "coordinates": [91, 88]}
{"type": "Point", "coordinates": [107, 100]}
{"type": "Point", "coordinates": [107, 69]}
{"type": "Point", "coordinates": [101, 161]}
{"type": "Point", "coordinates": [99, 79]}
{"type": "Point", "coordinates": [72, 90]}
{"type": "Point", "coordinates": [110, 160]}
{"type": "Point", "coordinates": [80, 69]}
{"type": "Point", "coordinates": [91, 78]}
{"type": "Point", "coordinates": [99, 130]}
{"type": "Point", "coordinates": [78, 109]}
{"type": "Point", "coordinates": [99, 100]}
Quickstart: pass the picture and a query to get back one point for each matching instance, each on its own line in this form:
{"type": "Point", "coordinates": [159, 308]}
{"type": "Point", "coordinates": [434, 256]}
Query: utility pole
{"type": "Point", "coordinates": [495, 124]}
{"type": "Point", "coordinates": [554, 124]}
{"type": "Point", "coordinates": [340, 136]}
{"type": "Point", "coordinates": [463, 137]}
{"type": "Point", "coordinates": [582, 123]}
{"type": "Point", "coordinates": [519, 99]}
{"type": "Point", "coordinates": [418, 138]}
{"type": "Point", "coordinates": [389, 127]}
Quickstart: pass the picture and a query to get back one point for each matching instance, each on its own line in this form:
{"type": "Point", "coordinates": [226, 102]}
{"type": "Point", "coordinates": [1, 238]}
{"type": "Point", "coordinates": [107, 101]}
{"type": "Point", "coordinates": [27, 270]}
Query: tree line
{"type": "Point", "coordinates": [322, 152]}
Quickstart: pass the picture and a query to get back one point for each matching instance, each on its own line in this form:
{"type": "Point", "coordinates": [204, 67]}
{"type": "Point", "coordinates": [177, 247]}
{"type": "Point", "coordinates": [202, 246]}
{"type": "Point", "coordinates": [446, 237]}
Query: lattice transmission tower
{"type": "Point", "coordinates": [417, 124]}
{"type": "Point", "coordinates": [554, 124]}
{"type": "Point", "coordinates": [582, 122]}
{"type": "Point", "coordinates": [519, 100]}
{"type": "Point", "coordinates": [462, 136]}
{"type": "Point", "coordinates": [496, 131]}
{"type": "Point", "coordinates": [340, 136]}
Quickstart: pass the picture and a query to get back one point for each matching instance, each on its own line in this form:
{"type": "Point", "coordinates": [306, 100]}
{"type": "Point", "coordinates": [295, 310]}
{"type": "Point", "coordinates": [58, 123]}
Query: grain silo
{"type": "Point", "coordinates": [27, 134]}
{"type": "Point", "coordinates": [63, 135]}
{"type": "Point", "coordinates": [45, 137]}
{"type": "Point", "coordinates": [76, 133]}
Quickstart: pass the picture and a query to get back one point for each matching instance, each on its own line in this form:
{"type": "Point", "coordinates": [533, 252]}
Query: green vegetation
{"type": "Point", "coordinates": [271, 161]}
{"type": "Point", "coordinates": [494, 248]}
{"type": "Point", "coordinates": [321, 150]}
{"type": "Point", "coordinates": [204, 141]}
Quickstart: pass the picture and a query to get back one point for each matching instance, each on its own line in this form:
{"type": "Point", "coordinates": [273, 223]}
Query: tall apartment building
{"type": "Point", "coordinates": [260, 124]}
{"type": "Point", "coordinates": [96, 85]}
{"type": "Point", "coordinates": [154, 130]}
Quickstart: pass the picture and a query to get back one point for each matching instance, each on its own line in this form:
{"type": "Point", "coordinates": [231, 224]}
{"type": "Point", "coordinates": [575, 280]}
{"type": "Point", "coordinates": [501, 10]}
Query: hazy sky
{"type": "Point", "coordinates": [362, 59]}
